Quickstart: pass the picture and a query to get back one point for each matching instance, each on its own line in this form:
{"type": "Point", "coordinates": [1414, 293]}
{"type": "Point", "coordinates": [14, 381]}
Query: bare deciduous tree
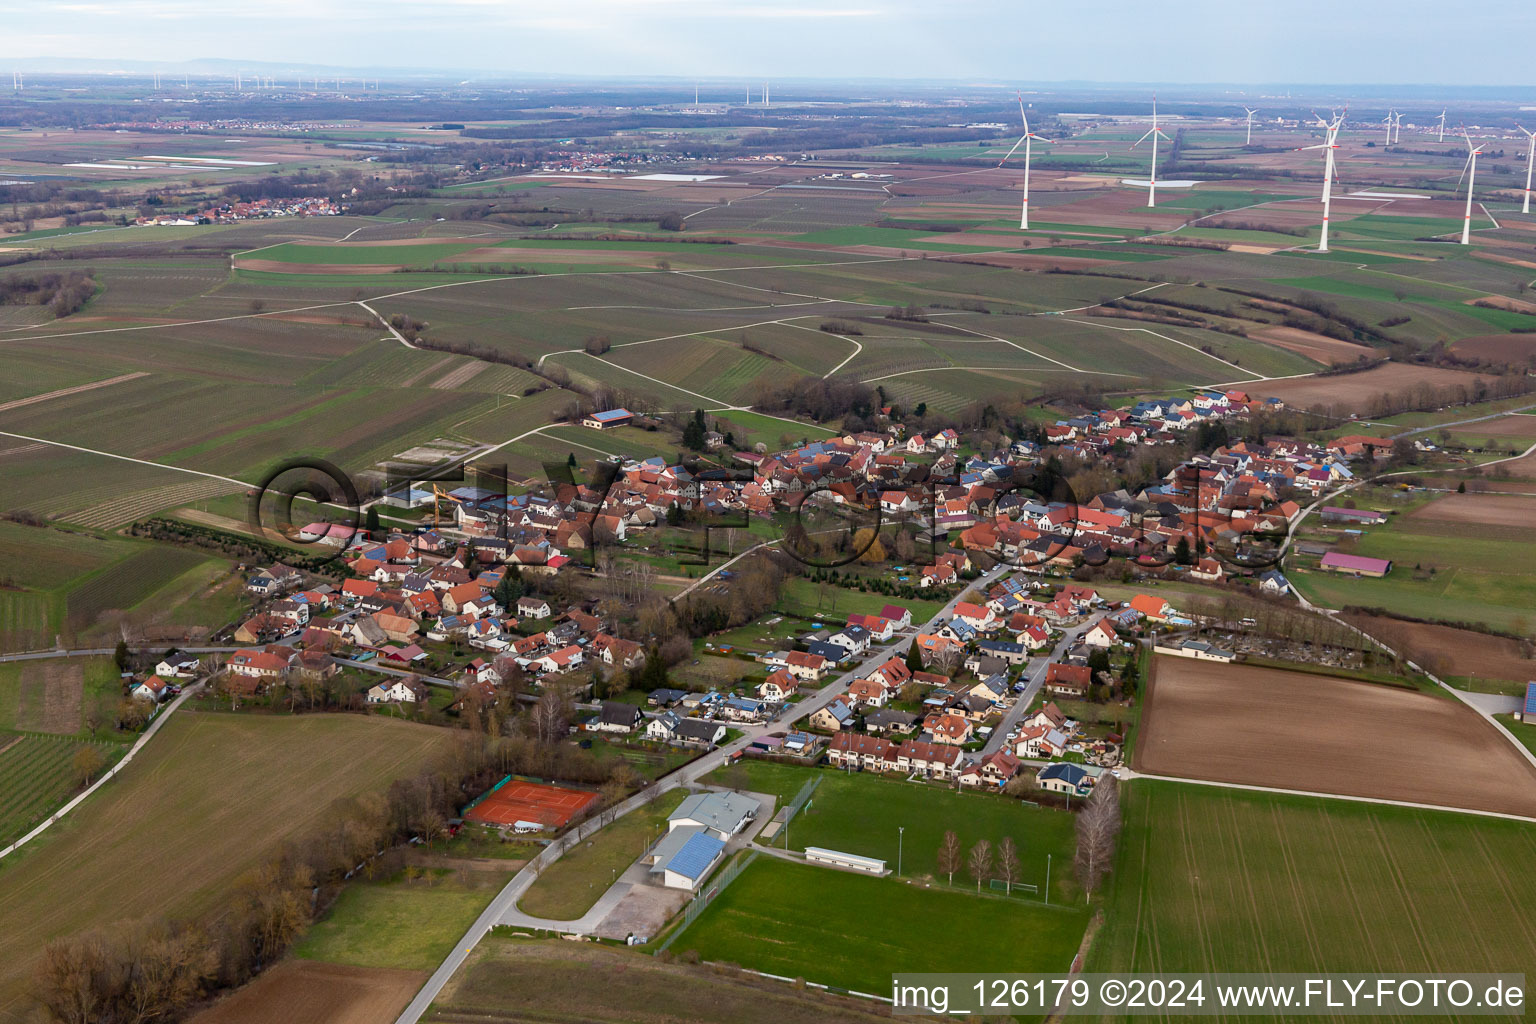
{"type": "Point", "coordinates": [1098, 826]}
{"type": "Point", "coordinates": [949, 855]}
{"type": "Point", "coordinates": [1008, 861]}
{"type": "Point", "coordinates": [980, 861]}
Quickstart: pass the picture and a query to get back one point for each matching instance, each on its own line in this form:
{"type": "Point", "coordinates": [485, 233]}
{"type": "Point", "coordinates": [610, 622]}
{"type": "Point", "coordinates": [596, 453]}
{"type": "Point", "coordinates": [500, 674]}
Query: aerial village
{"type": "Point", "coordinates": [465, 607]}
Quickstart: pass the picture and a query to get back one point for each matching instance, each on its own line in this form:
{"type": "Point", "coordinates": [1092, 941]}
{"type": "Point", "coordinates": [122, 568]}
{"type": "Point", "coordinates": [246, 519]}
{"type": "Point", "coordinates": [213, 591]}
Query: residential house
{"type": "Point", "coordinates": [178, 666]}
{"type": "Point", "coordinates": [615, 716]}
{"type": "Point", "coordinates": [833, 717]}
{"type": "Point", "coordinates": [1068, 680]}
{"type": "Point", "coordinates": [780, 686]}
{"type": "Point", "coordinates": [804, 665]}
{"type": "Point", "coordinates": [992, 770]}
{"type": "Point", "coordinates": [152, 689]}
{"type": "Point", "coordinates": [398, 691]}
{"type": "Point", "coordinates": [949, 728]}
{"type": "Point", "coordinates": [1072, 779]}
{"type": "Point", "coordinates": [529, 607]}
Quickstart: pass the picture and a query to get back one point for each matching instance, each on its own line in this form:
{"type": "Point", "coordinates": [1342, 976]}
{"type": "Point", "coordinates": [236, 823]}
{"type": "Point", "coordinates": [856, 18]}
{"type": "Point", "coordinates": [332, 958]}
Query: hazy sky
{"type": "Point", "coordinates": [1479, 42]}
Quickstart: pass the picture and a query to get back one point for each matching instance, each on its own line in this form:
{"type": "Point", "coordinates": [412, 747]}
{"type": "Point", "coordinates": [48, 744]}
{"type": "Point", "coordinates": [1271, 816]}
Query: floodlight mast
{"type": "Point", "coordinates": [1153, 135]}
{"type": "Point", "coordinates": [1469, 171]}
{"type": "Point", "coordinates": [1329, 171]}
{"type": "Point", "coordinates": [1025, 141]}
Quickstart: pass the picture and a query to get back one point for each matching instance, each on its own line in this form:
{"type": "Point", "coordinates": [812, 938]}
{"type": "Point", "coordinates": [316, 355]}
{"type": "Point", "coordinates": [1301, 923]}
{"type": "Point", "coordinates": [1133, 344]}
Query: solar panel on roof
{"type": "Point", "coordinates": [697, 854]}
{"type": "Point", "coordinates": [1530, 702]}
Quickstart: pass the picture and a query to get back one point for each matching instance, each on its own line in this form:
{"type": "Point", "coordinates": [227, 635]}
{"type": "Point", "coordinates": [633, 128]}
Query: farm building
{"type": "Point", "coordinates": [1528, 715]}
{"type": "Point", "coordinates": [1364, 516]}
{"type": "Point", "coordinates": [609, 419]}
{"type": "Point", "coordinates": [1357, 565]}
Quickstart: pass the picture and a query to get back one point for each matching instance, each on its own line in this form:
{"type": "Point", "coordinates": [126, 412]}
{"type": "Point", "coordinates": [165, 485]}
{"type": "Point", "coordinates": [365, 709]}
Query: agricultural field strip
{"type": "Point", "coordinates": [34, 399]}
{"type": "Point", "coordinates": [1142, 330]}
{"type": "Point", "coordinates": [1343, 796]}
{"type": "Point", "coordinates": [858, 348]}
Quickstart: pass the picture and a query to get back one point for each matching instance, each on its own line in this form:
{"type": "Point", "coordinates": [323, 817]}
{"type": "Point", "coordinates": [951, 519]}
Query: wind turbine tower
{"type": "Point", "coordinates": [1025, 141]}
{"type": "Point", "coordinates": [1249, 140]}
{"type": "Point", "coordinates": [1530, 158]}
{"type": "Point", "coordinates": [1470, 173]}
{"type": "Point", "coordinates": [1397, 128]}
{"type": "Point", "coordinates": [1153, 134]}
{"type": "Point", "coordinates": [1442, 127]}
{"type": "Point", "coordinates": [1388, 122]}
{"type": "Point", "coordinates": [1331, 143]}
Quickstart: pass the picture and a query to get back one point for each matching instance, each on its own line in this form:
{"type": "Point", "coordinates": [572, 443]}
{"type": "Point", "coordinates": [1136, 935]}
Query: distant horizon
{"type": "Point", "coordinates": [1294, 45]}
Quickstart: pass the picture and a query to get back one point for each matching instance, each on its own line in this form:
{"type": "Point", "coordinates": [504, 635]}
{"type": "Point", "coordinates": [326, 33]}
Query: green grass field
{"type": "Point", "coordinates": [409, 922]}
{"type": "Point", "coordinates": [1211, 879]}
{"type": "Point", "coordinates": [861, 813]}
{"type": "Point", "coordinates": [206, 800]}
{"type": "Point", "coordinates": [855, 931]}
{"type": "Point", "coordinates": [1479, 574]}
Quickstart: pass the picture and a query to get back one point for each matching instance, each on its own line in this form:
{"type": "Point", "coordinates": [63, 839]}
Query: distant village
{"type": "Point", "coordinates": [256, 209]}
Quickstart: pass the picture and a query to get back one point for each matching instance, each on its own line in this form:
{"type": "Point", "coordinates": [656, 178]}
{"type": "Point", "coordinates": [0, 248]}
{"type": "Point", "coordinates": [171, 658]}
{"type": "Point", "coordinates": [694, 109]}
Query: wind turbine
{"type": "Point", "coordinates": [1388, 122]}
{"type": "Point", "coordinates": [1530, 158]}
{"type": "Point", "coordinates": [1250, 126]}
{"type": "Point", "coordinates": [1024, 140]}
{"type": "Point", "coordinates": [1442, 127]}
{"type": "Point", "coordinates": [1332, 143]}
{"type": "Point", "coordinates": [1470, 173]}
{"type": "Point", "coordinates": [1397, 127]}
{"type": "Point", "coordinates": [1153, 135]}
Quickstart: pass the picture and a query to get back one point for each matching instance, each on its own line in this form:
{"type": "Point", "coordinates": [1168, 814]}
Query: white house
{"type": "Point", "coordinates": [154, 688]}
{"type": "Point", "coordinates": [178, 666]}
{"type": "Point", "coordinates": [397, 691]}
{"type": "Point", "coordinates": [1102, 634]}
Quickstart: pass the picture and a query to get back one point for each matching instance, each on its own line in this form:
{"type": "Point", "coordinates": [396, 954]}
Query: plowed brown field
{"type": "Point", "coordinates": [1294, 730]}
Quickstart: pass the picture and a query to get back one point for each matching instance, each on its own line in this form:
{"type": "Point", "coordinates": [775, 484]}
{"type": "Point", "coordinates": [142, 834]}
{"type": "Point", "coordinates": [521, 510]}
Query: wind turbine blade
{"type": "Point", "coordinates": [1048, 142]}
{"type": "Point", "coordinates": [1464, 170]}
{"type": "Point", "coordinates": [1012, 151]}
{"type": "Point", "coordinates": [1144, 138]}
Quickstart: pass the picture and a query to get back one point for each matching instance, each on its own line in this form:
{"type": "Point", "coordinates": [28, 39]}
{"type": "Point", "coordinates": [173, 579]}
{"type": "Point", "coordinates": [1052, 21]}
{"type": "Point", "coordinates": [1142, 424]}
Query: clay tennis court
{"type": "Point", "coordinates": [1294, 730]}
{"type": "Point", "coordinates": [517, 800]}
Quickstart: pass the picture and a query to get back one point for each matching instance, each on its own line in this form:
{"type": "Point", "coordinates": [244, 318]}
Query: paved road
{"type": "Point", "coordinates": [1036, 671]}
{"type": "Point", "coordinates": [506, 900]}
{"type": "Point", "coordinates": [86, 652]}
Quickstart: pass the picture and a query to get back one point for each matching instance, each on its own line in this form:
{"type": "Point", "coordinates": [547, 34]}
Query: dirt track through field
{"type": "Point", "coordinates": [1294, 730]}
{"type": "Point", "coordinates": [33, 400]}
{"type": "Point", "coordinates": [279, 267]}
{"type": "Point", "coordinates": [307, 992]}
